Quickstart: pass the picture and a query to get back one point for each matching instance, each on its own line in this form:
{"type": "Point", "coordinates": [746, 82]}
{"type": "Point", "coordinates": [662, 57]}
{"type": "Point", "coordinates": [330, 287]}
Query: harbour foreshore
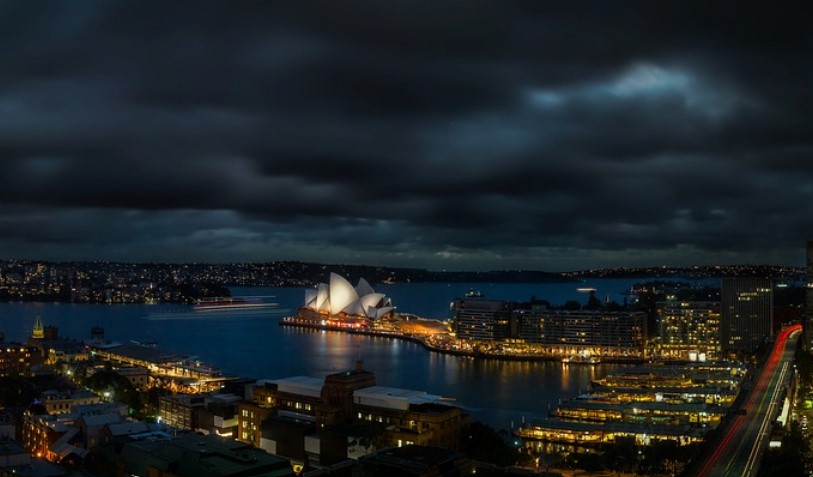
{"type": "Point", "coordinates": [428, 343]}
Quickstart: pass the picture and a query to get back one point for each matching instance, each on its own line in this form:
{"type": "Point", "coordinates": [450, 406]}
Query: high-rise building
{"type": "Point", "coordinates": [808, 321]}
{"type": "Point", "coordinates": [747, 313]}
{"type": "Point", "coordinates": [689, 330]}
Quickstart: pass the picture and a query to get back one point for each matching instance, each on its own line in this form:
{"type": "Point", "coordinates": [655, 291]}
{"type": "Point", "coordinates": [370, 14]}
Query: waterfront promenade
{"type": "Point", "coordinates": [433, 338]}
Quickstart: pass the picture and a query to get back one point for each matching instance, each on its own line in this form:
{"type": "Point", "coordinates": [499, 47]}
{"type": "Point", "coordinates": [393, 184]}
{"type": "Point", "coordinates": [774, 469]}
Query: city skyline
{"type": "Point", "coordinates": [467, 136]}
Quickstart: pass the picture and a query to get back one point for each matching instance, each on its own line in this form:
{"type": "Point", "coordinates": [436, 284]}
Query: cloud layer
{"type": "Point", "coordinates": [471, 134]}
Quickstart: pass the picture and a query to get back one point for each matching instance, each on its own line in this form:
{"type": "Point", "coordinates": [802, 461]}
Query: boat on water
{"type": "Point", "coordinates": [238, 303]}
{"type": "Point", "coordinates": [579, 359]}
{"type": "Point", "coordinates": [472, 293]}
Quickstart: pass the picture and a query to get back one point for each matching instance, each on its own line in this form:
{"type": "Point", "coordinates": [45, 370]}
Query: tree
{"type": "Point", "coordinates": [593, 303]}
{"type": "Point", "coordinates": [572, 305]}
{"type": "Point", "coordinates": [368, 434]}
{"type": "Point", "coordinates": [16, 391]}
{"type": "Point", "coordinates": [588, 462]}
{"type": "Point", "coordinates": [621, 456]}
{"type": "Point", "coordinates": [787, 460]}
{"type": "Point", "coordinates": [481, 442]}
{"type": "Point", "coordinates": [119, 387]}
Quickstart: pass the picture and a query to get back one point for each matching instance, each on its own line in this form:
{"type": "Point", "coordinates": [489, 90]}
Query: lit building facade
{"type": "Point", "coordinates": [660, 413]}
{"type": "Point", "coordinates": [178, 372]}
{"type": "Point", "coordinates": [479, 319]}
{"type": "Point", "coordinates": [689, 331]}
{"type": "Point", "coordinates": [604, 333]}
{"type": "Point", "coordinates": [747, 313]}
{"type": "Point", "coordinates": [323, 407]}
{"type": "Point", "coordinates": [541, 331]}
{"type": "Point", "coordinates": [250, 418]}
{"type": "Point", "coordinates": [178, 410]}
{"type": "Point", "coordinates": [593, 434]}
{"type": "Point", "coordinates": [410, 416]}
{"type": "Point", "coordinates": [16, 359]}
{"type": "Point", "coordinates": [64, 402]}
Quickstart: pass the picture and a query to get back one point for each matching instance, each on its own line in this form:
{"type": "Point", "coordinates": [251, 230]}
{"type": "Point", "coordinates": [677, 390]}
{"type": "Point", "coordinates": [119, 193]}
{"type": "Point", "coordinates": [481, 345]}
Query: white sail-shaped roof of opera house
{"type": "Point", "coordinates": [340, 297]}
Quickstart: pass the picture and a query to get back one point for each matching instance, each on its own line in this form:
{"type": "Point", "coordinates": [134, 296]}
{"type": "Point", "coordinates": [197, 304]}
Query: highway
{"type": "Point", "coordinates": [738, 452]}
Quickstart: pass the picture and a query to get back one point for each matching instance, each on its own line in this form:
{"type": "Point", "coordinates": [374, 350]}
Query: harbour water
{"type": "Point", "coordinates": [253, 344]}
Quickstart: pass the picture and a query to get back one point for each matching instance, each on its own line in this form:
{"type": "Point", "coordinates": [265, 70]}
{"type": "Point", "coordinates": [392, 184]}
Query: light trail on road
{"type": "Point", "coordinates": [738, 451]}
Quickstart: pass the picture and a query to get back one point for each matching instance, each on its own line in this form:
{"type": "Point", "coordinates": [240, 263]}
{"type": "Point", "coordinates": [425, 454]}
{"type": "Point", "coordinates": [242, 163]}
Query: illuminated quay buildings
{"type": "Point", "coordinates": [648, 404]}
{"type": "Point", "coordinates": [178, 372]}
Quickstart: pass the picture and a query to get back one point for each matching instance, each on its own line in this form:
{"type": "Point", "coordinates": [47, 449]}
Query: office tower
{"type": "Point", "coordinates": [747, 313]}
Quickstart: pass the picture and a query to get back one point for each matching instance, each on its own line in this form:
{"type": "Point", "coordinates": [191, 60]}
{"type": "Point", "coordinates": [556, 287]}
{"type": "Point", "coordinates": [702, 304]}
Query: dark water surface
{"type": "Point", "coordinates": [495, 392]}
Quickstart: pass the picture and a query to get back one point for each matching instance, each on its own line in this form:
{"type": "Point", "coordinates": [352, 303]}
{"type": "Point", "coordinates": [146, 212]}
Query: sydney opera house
{"type": "Point", "coordinates": [340, 303]}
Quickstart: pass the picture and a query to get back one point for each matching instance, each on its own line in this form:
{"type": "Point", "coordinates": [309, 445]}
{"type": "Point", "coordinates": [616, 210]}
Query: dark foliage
{"type": "Point", "coordinates": [16, 391]}
{"type": "Point", "coordinates": [482, 443]}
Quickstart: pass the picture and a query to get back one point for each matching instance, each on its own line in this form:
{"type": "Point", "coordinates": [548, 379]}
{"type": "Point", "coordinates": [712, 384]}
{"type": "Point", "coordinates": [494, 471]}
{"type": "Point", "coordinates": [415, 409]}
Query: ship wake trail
{"type": "Point", "coordinates": [218, 314]}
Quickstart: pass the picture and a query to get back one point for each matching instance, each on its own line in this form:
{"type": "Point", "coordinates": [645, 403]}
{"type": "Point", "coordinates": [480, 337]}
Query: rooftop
{"type": "Point", "coordinates": [9, 448]}
{"type": "Point", "coordinates": [203, 456]}
{"type": "Point", "coordinates": [350, 375]}
{"type": "Point", "coordinates": [392, 398]}
{"type": "Point", "coordinates": [413, 457]}
{"type": "Point", "coordinates": [99, 420]}
{"type": "Point", "coordinates": [101, 408]}
{"type": "Point", "coordinates": [300, 385]}
{"type": "Point", "coordinates": [146, 353]}
{"type": "Point", "coordinates": [128, 428]}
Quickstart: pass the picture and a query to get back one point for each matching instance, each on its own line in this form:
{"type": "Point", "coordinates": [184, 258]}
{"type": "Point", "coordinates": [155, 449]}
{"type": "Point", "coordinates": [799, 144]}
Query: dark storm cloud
{"type": "Point", "coordinates": [462, 135]}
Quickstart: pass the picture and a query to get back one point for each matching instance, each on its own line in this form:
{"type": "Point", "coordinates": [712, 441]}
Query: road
{"type": "Point", "coordinates": [739, 451]}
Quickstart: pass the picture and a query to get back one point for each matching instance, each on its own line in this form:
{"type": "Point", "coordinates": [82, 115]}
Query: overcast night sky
{"type": "Point", "coordinates": [459, 134]}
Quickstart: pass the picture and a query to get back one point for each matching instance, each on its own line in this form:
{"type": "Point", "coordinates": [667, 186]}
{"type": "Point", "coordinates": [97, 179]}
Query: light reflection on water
{"type": "Point", "coordinates": [497, 392]}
